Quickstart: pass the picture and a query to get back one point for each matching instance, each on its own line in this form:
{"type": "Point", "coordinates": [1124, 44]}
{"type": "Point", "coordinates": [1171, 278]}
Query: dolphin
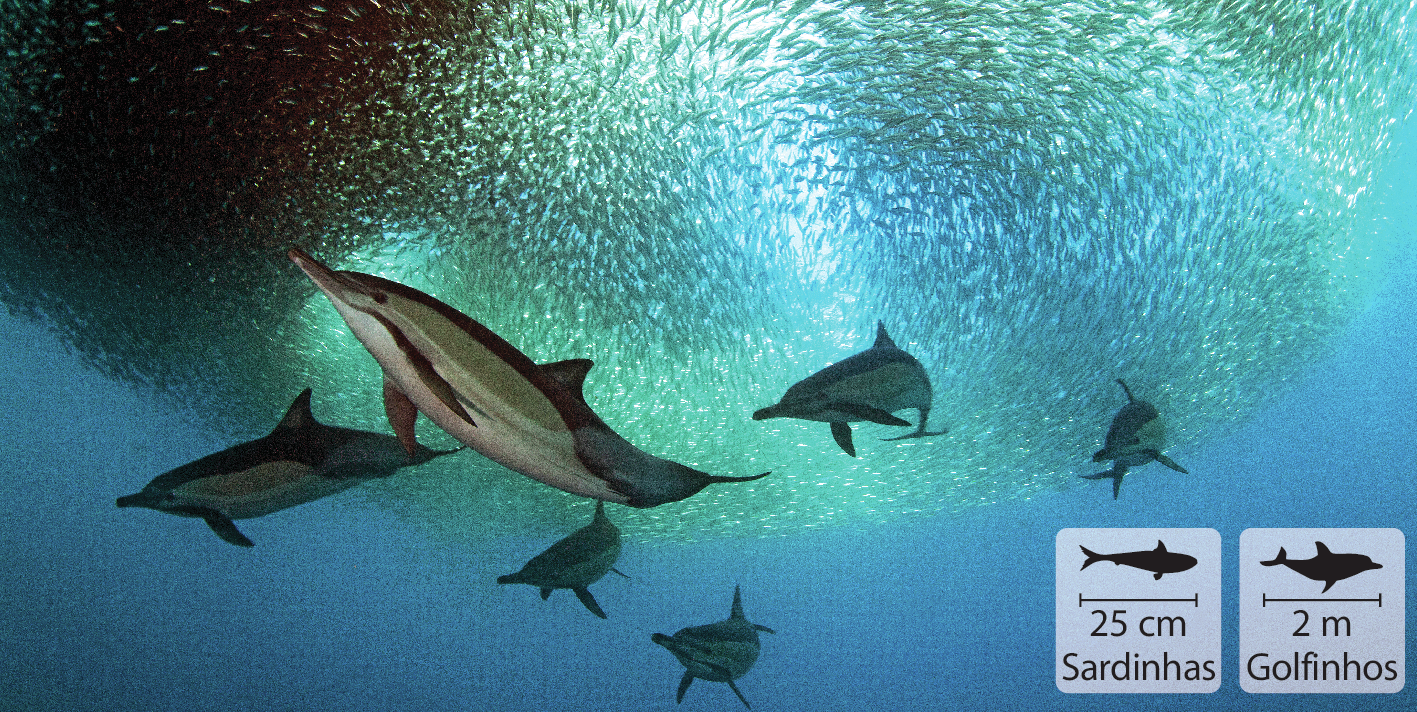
{"type": "Point", "coordinates": [1158, 561]}
{"type": "Point", "coordinates": [575, 562]}
{"type": "Point", "coordinates": [1326, 566]}
{"type": "Point", "coordinates": [717, 652]}
{"type": "Point", "coordinates": [488, 395]}
{"type": "Point", "coordinates": [300, 461]}
{"type": "Point", "coordinates": [867, 386]}
{"type": "Point", "coordinates": [1135, 438]}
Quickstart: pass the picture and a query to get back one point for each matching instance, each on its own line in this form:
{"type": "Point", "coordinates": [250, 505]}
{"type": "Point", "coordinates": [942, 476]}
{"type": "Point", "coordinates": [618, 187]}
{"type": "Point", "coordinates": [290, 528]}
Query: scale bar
{"type": "Point", "coordinates": [1195, 600]}
{"type": "Point", "coordinates": [1265, 600]}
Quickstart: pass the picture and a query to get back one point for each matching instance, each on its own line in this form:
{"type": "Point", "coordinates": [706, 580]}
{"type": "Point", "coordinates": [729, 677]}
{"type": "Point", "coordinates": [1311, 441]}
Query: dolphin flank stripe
{"type": "Point", "coordinates": [574, 417]}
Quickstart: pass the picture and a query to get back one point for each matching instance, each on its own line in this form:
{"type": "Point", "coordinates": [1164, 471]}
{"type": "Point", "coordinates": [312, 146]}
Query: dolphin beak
{"type": "Point", "coordinates": [765, 413]}
{"type": "Point", "coordinates": [141, 499]}
{"type": "Point", "coordinates": [329, 281]}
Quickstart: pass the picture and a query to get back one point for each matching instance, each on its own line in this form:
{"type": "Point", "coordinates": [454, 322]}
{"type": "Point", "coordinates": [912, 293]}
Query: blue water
{"type": "Point", "coordinates": [344, 607]}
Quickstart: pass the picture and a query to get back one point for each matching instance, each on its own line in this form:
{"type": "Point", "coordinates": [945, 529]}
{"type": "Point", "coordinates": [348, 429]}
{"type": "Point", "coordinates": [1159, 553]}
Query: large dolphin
{"type": "Point", "coordinates": [867, 386]}
{"type": "Point", "coordinates": [491, 397]}
{"type": "Point", "coordinates": [717, 652]}
{"type": "Point", "coordinates": [300, 461]}
{"type": "Point", "coordinates": [575, 562]}
{"type": "Point", "coordinates": [1136, 437]}
{"type": "Point", "coordinates": [1326, 566]}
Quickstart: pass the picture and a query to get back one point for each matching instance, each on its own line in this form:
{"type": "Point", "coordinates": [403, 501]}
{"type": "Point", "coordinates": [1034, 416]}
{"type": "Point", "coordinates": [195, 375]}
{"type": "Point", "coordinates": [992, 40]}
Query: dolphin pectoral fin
{"type": "Point", "coordinates": [545, 593]}
{"type": "Point", "coordinates": [866, 412]}
{"type": "Point", "coordinates": [618, 571]}
{"type": "Point", "coordinates": [1157, 577]}
{"type": "Point", "coordinates": [589, 601]}
{"type": "Point", "coordinates": [735, 690]}
{"type": "Point", "coordinates": [402, 416]}
{"type": "Point", "coordinates": [764, 629]}
{"type": "Point", "coordinates": [1328, 584]}
{"type": "Point", "coordinates": [684, 683]}
{"type": "Point", "coordinates": [842, 433]}
{"type": "Point", "coordinates": [423, 369]}
{"type": "Point", "coordinates": [223, 526]}
{"type": "Point", "coordinates": [1171, 464]}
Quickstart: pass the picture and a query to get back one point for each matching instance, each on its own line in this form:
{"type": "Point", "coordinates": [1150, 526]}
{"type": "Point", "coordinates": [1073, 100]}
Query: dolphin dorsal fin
{"type": "Point", "coordinates": [883, 340]}
{"type": "Point", "coordinates": [1160, 547]}
{"type": "Point", "coordinates": [1323, 550]}
{"type": "Point", "coordinates": [600, 511]}
{"type": "Point", "coordinates": [1128, 391]}
{"type": "Point", "coordinates": [570, 373]}
{"type": "Point", "coordinates": [737, 604]}
{"type": "Point", "coordinates": [298, 415]}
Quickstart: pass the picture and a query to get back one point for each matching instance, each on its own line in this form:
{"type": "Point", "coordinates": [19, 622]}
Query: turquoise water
{"type": "Point", "coordinates": [1195, 199]}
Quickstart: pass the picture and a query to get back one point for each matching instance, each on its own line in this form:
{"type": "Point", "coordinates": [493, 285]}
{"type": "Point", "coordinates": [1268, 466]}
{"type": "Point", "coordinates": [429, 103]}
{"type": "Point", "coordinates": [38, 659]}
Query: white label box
{"type": "Point", "coordinates": [1322, 610]}
{"type": "Point", "coordinates": [1138, 610]}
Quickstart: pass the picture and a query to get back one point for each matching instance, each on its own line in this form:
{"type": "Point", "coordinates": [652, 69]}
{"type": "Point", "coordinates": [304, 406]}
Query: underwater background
{"type": "Point", "coordinates": [1213, 201]}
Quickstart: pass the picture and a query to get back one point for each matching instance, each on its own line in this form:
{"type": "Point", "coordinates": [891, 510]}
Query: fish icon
{"type": "Point", "coordinates": [1135, 438]}
{"type": "Point", "coordinates": [490, 396]}
{"type": "Point", "coordinates": [868, 386]}
{"type": "Point", "coordinates": [1158, 561]}
{"type": "Point", "coordinates": [1326, 566]}
{"type": "Point", "coordinates": [300, 461]}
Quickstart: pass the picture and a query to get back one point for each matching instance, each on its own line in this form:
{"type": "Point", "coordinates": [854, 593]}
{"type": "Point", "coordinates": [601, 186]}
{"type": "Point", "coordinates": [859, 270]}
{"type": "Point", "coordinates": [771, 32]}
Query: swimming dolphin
{"type": "Point", "coordinates": [1326, 566]}
{"type": "Point", "coordinates": [1135, 438]}
{"type": "Point", "coordinates": [575, 562]}
{"type": "Point", "coordinates": [867, 386]}
{"type": "Point", "coordinates": [490, 396]}
{"type": "Point", "coordinates": [300, 461]}
{"type": "Point", "coordinates": [1158, 561]}
{"type": "Point", "coordinates": [717, 652]}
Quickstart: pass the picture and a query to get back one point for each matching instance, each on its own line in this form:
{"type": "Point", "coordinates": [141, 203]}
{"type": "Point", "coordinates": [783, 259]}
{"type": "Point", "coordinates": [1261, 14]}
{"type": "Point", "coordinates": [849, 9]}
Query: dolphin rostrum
{"type": "Point", "coordinates": [575, 562]}
{"type": "Point", "coordinates": [490, 396]}
{"type": "Point", "coordinates": [300, 461]}
{"type": "Point", "coordinates": [868, 386]}
{"type": "Point", "coordinates": [1136, 437]}
{"type": "Point", "coordinates": [1158, 561]}
{"type": "Point", "coordinates": [717, 652]}
{"type": "Point", "coordinates": [1326, 566]}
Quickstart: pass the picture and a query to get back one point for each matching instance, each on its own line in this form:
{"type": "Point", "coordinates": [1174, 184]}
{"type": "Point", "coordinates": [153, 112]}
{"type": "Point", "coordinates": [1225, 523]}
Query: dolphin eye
{"type": "Point", "coordinates": [380, 298]}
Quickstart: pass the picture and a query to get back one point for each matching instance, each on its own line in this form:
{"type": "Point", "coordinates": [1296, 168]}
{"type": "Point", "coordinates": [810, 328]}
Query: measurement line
{"type": "Point", "coordinates": [1195, 600]}
{"type": "Point", "coordinates": [1266, 600]}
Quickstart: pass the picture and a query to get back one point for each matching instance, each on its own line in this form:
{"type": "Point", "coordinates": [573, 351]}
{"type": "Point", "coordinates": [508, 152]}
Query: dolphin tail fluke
{"type": "Point", "coordinates": [841, 432]}
{"type": "Point", "coordinates": [589, 601]}
{"type": "Point", "coordinates": [684, 683]}
{"type": "Point", "coordinates": [716, 479]}
{"type": "Point", "coordinates": [1280, 559]}
{"type": "Point", "coordinates": [1115, 474]}
{"type": "Point", "coordinates": [1171, 464]}
{"type": "Point", "coordinates": [735, 690]}
{"type": "Point", "coordinates": [1092, 557]}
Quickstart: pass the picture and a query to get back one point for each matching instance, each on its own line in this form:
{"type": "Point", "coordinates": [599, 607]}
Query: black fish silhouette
{"type": "Point", "coordinates": [1158, 561]}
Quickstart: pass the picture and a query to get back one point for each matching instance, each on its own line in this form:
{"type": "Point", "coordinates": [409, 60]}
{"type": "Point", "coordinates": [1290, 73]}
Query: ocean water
{"type": "Point", "coordinates": [1243, 255]}
{"type": "Point", "coordinates": [343, 607]}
